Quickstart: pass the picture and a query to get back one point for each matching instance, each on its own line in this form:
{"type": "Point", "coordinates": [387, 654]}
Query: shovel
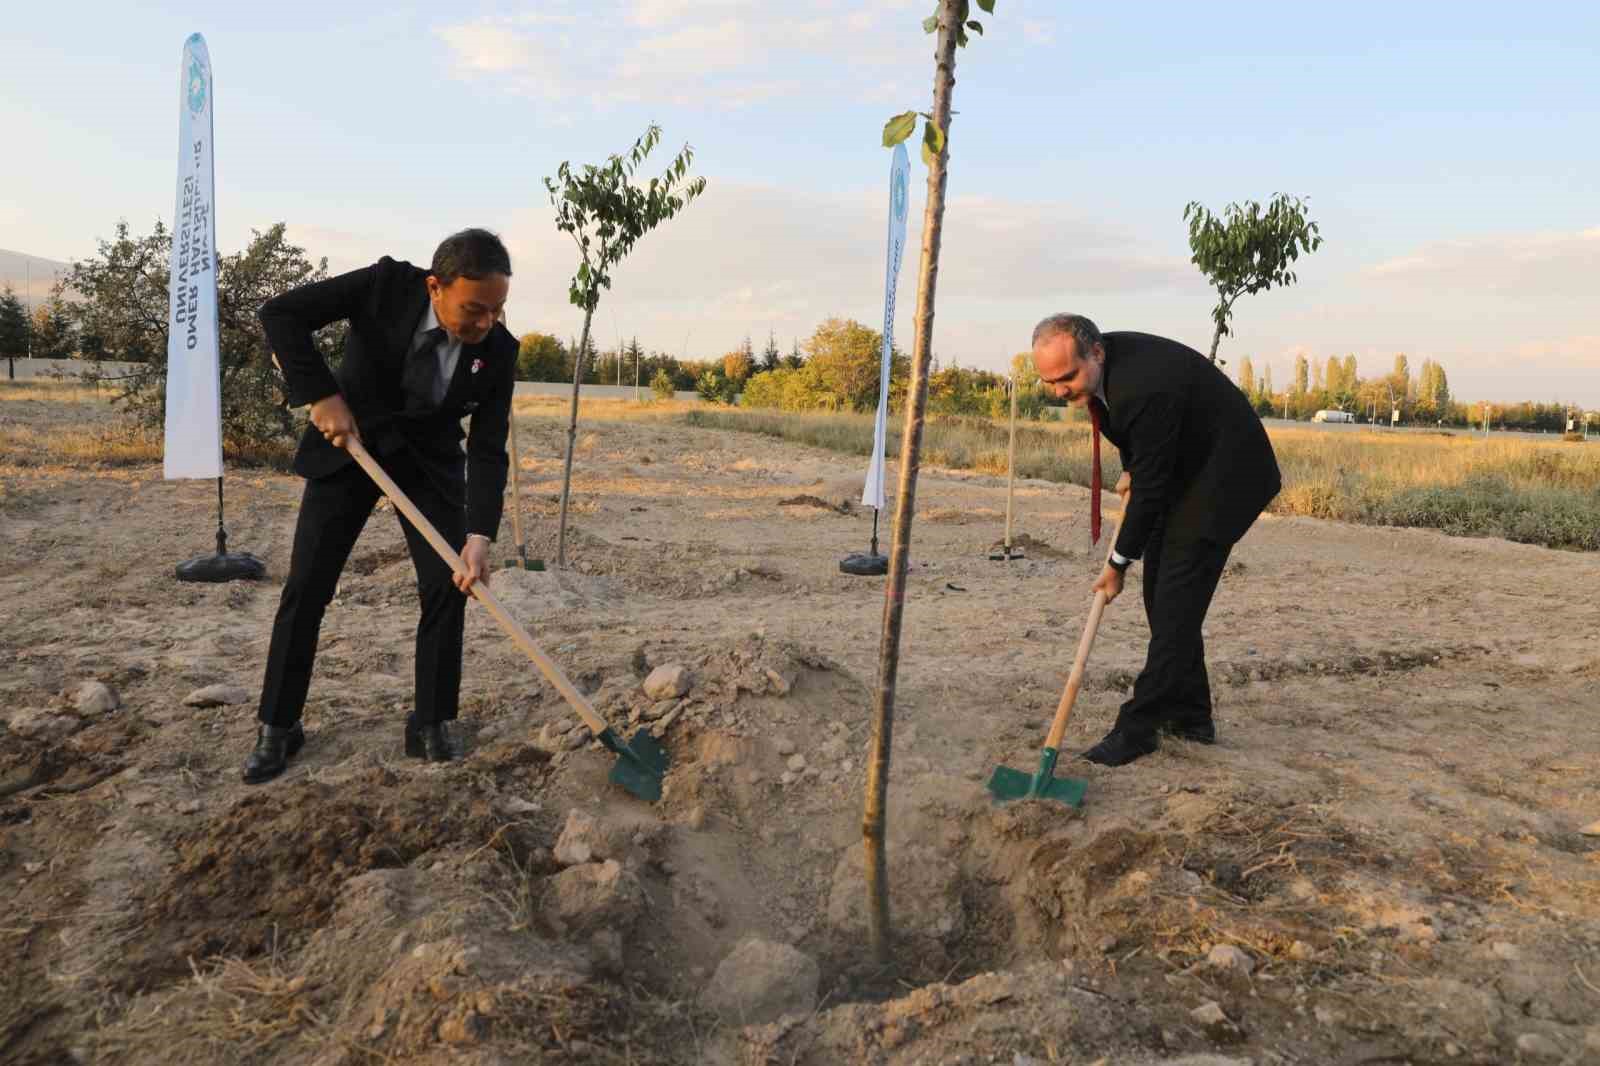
{"type": "Point", "coordinates": [1004, 552]}
{"type": "Point", "coordinates": [521, 561]}
{"type": "Point", "coordinates": [641, 761]}
{"type": "Point", "coordinates": [1008, 784]}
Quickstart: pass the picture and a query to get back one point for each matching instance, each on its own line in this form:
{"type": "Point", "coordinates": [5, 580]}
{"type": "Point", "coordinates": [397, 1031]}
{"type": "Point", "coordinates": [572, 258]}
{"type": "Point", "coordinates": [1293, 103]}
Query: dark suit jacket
{"type": "Point", "coordinates": [384, 304]}
{"type": "Point", "coordinates": [1196, 450]}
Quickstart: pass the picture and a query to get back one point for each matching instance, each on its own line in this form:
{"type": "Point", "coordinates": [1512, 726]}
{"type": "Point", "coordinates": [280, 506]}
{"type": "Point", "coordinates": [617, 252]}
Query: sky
{"type": "Point", "coordinates": [1450, 153]}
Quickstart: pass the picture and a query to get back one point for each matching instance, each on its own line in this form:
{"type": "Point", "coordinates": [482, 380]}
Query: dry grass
{"type": "Point", "coordinates": [1531, 491]}
{"type": "Point", "coordinates": [64, 424]}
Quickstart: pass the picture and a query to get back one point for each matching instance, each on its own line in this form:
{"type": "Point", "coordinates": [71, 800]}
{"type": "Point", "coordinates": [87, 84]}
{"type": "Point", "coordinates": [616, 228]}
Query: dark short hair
{"type": "Point", "coordinates": [472, 253]}
{"type": "Point", "coordinates": [1083, 331]}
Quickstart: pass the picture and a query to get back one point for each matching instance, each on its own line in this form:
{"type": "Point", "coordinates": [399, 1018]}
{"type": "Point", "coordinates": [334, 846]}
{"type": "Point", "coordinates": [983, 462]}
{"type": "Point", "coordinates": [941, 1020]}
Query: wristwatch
{"type": "Point", "coordinates": [1119, 562]}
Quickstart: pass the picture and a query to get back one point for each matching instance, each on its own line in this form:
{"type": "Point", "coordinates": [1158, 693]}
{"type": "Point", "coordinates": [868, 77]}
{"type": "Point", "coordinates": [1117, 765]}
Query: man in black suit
{"type": "Point", "coordinates": [1198, 469]}
{"type": "Point", "coordinates": [424, 351]}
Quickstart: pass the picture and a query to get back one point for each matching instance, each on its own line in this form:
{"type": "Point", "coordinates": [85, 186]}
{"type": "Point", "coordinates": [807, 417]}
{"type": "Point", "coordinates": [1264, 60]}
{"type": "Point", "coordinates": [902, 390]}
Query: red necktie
{"type": "Point", "coordinates": [1094, 478]}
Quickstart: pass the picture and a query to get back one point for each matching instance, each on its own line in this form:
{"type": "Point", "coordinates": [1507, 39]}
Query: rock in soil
{"type": "Point", "coordinates": [584, 898]}
{"type": "Point", "coordinates": [668, 681]}
{"type": "Point", "coordinates": [93, 697]}
{"type": "Point", "coordinates": [761, 981]}
{"type": "Point", "coordinates": [217, 696]}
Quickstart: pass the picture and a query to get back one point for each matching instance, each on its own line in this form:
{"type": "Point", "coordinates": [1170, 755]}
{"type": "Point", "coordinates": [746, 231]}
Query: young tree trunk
{"type": "Point", "coordinates": [1216, 339]}
{"type": "Point", "coordinates": [872, 823]}
{"type": "Point", "coordinates": [572, 436]}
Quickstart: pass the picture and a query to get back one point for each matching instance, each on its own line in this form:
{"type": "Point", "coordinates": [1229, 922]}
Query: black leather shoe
{"type": "Point", "coordinates": [1119, 749]}
{"type": "Point", "coordinates": [429, 742]}
{"type": "Point", "coordinates": [1195, 730]}
{"type": "Point", "coordinates": [275, 746]}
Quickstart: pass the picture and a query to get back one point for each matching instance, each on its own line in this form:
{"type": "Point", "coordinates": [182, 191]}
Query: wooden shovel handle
{"type": "Point", "coordinates": [513, 628]}
{"type": "Point", "coordinates": [1069, 695]}
{"type": "Point", "coordinates": [516, 495]}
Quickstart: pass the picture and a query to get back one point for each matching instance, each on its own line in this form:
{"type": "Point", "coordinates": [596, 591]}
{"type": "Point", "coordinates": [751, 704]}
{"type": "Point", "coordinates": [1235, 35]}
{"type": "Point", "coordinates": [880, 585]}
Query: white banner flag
{"type": "Point", "coordinates": [899, 190]}
{"type": "Point", "coordinates": [194, 371]}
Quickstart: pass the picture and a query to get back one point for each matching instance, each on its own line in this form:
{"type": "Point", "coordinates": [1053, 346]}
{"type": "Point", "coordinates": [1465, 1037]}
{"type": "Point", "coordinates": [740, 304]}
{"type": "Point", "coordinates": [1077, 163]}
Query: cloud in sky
{"type": "Point", "coordinates": [690, 51]}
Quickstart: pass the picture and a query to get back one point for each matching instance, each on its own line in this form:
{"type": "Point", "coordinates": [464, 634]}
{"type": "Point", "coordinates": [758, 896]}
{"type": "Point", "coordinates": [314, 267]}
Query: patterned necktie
{"type": "Point", "coordinates": [422, 370]}
{"type": "Point", "coordinates": [1096, 414]}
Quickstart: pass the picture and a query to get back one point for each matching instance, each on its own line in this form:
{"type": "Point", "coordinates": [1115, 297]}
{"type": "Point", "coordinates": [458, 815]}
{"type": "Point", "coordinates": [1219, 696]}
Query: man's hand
{"type": "Point", "coordinates": [1124, 487]}
{"type": "Point", "coordinates": [332, 417]}
{"type": "Point", "coordinates": [1110, 582]}
{"type": "Point", "coordinates": [475, 556]}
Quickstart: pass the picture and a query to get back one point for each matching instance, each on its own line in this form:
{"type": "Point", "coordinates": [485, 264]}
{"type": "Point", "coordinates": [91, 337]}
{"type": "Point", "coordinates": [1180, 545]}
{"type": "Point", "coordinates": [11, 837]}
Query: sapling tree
{"type": "Point", "coordinates": [606, 214]}
{"type": "Point", "coordinates": [1248, 249]}
{"type": "Point", "coordinates": [950, 24]}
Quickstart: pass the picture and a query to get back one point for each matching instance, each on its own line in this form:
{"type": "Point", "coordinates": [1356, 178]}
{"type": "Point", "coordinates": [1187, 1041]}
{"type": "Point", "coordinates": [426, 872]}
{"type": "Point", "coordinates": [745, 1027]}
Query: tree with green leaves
{"type": "Point", "coordinates": [770, 356]}
{"type": "Point", "coordinates": [949, 23]}
{"type": "Point", "coordinates": [795, 359]}
{"type": "Point", "coordinates": [122, 314]}
{"type": "Point", "coordinates": [1248, 249]}
{"type": "Point", "coordinates": [541, 357]}
{"type": "Point", "coordinates": [1247, 376]}
{"type": "Point", "coordinates": [14, 330]}
{"type": "Point", "coordinates": [606, 214]}
{"type": "Point", "coordinates": [1302, 375]}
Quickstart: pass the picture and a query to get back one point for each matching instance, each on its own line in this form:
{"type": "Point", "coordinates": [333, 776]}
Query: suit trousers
{"type": "Point", "coordinates": [1179, 581]}
{"type": "Point", "coordinates": [333, 511]}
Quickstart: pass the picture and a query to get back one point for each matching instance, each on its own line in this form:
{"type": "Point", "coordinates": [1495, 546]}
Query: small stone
{"type": "Point", "coordinates": [668, 681]}
{"type": "Point", "coordinates": [518, 805]}
{"type": "Point", "coordinates": [780, 684]}
{"type": "Point", "coordinates": [761, 981]}
{"type": "Point", "coordinates": [1328, 1016]}
{"type": "Point", "coordinates": [188, 807]}
{"type": "Point", "coordinates": [576, 739]}
{"type": "Point", "coordinates": [658, 709]}
{"type": "Point", "coordinates": [1300, 951]}
{"type": "Point", "coordinates": [1452, 1049]}
{"type": "Point", "coordinates": [797, 762]}
{"type": "Point", "coordinates": [1538, 1046]}
{"type": "Point", "coordinates": [1591, 830]}
{"type": "Point", "coordinates": [1209, 1013]}
{"type": "Point", "coordinates": [43, 724]}
{"type": "Point", "coordinates": [1506, 952]}
{"type": "Point", "coordinates": [784, 746]}
{"type": "Point", "coordinates": [465, 1029]}
{"type": "Point", "coordinates": [1230, 959]}
{"type": "Point", "coordinates": [593, 896]}
{"type": "Point", "coordinates": [92, 697]}
{"type": "Point", "coordinates": [786, 778]}
{"type": "Point", "coordinates": [217, 696]}
{"type": "Point", "coordinates": [31, 868]}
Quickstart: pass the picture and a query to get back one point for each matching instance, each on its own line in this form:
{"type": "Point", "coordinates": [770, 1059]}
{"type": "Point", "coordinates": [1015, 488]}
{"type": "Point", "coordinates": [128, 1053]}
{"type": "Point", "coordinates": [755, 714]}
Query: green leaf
{"type": "Point", "coordinates": [930, 24]}
{"type": "Point", "coordinates": [932, 142]}
{"type": "Point", "coordinates": [987, 5]}
{"type": "Point", "coordinates": [976, 27]}
{"type": "Point", "coordinates": [899, 128]}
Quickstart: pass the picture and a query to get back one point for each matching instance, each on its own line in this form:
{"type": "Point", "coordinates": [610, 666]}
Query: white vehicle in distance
{"type": "Point", "coordinates": [1333, 416]}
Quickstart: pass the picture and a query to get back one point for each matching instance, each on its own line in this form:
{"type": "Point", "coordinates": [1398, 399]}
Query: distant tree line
{"type": "Point", "coordinates": [113, 306]}
{"type": "Point", "coordinates": [1421, 398]}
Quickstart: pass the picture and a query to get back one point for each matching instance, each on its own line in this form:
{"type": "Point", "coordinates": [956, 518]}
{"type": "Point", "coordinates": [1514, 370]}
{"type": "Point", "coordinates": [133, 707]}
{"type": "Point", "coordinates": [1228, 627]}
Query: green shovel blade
{"type": "Point", "coordinates": [1008, 785]}
{"type": "Point", "coordinates": [641, 763]}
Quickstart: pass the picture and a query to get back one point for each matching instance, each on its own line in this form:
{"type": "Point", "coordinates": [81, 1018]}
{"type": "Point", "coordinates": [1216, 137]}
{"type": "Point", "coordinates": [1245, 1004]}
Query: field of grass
{"type": "Point", "coordinates": [1535, 492]}
{"type": "Point", "coordinates": [51, 423]}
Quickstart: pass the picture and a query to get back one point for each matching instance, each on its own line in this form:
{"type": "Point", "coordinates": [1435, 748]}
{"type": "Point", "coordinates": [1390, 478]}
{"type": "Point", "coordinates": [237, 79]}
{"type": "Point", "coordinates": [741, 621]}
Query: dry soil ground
{"type": "Point", "coordinates": [1390, 829]}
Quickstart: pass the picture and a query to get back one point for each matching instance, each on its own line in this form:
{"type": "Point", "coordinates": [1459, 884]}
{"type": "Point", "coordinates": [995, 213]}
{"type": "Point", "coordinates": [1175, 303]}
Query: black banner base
{"type": "Point", "coordinates": [223, 566]}
{"type": "Point", "coordinates": [864, 564]}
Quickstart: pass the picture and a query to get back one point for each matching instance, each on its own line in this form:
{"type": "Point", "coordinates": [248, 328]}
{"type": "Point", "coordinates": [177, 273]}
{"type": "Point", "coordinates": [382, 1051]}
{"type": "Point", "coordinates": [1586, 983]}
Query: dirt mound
{"type": "Point", "coordinates": [535, 595]}
{"type": "Point", "coordinates": [804, 500]}
{"type": "Point", "coordinates": [268, 870]}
